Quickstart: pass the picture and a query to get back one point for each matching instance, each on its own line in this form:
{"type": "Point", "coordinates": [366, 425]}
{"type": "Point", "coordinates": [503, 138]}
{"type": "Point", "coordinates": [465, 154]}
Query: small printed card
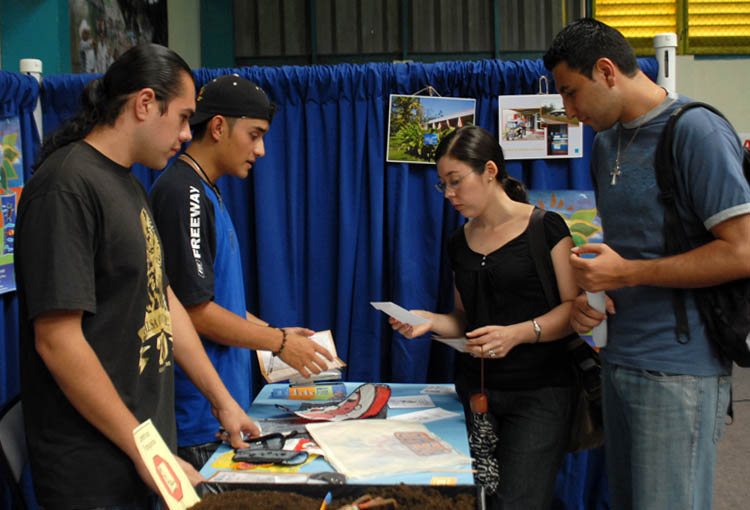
{"type": "Point", "coordinates": [399, 313]}
{"type": "Point", "coordinates": [171, 480]}
{"type": "Point", "coordinates": [439, 389]}
{"type": "Point", "coordinates": [457, 343]}
{"type": "Point", "coordinates": [410, 402]}
{"type": "Point", "coordinates": [425, 415]}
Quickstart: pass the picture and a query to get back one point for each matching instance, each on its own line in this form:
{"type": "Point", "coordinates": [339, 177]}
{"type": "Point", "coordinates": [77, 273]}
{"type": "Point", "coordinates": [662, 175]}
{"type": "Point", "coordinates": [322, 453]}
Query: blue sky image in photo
{"type": "Point", "coordinates": [433, 106]}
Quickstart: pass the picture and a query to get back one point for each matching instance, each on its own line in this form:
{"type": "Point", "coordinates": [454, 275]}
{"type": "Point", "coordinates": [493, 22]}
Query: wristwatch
{"type": "Point", "coordinates": [537, 330]}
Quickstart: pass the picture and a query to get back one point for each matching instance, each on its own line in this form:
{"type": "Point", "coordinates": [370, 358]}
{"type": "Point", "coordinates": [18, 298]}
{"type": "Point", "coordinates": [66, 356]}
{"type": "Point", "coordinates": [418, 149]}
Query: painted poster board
{"type": "Point", "coordinates": [11, 184]}
{"type": "Point", "coordinates": [578, 209]}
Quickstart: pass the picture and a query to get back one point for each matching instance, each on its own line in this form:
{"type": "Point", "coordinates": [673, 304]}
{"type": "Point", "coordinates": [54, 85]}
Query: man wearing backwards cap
{"type": "Point", "coordinates": [203, 260]}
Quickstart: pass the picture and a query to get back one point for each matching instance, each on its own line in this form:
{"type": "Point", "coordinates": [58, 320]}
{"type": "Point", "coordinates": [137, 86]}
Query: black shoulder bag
{"type": "Point", "coordinates": [587, 429]}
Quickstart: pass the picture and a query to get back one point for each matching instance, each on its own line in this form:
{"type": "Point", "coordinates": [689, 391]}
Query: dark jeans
{"type": "Point", "coordinates": [153, 502]}
{"type": "Point", "coordinates": [198, 454]}
{"type": "Point", "coordinates": [150, 502]}
{"type": "Point", "coordinates": [532, 427]}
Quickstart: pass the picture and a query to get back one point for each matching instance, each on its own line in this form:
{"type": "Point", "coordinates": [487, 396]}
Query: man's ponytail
{"type": "Point", "coordinates": [143, 66]}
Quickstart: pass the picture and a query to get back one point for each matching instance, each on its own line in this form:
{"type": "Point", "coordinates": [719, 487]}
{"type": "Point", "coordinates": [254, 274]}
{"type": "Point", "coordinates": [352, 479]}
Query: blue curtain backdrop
{"type": "Point", "coordinates": [18, 98]}
{"type": "Point", "coordinates": [326, 225]}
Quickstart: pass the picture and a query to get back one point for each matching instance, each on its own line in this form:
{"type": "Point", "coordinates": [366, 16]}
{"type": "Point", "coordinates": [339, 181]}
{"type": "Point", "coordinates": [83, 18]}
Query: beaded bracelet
{"type": "Point", "coordinates": [283, 342]}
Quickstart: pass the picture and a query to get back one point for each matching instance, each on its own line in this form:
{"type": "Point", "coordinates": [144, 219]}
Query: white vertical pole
{"type": "Point", "coordinates": [665, 46]}
{"type": "Point", "coordinates": [33, 67]}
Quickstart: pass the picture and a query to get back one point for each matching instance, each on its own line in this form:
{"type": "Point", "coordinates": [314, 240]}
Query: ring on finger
{"type": "Point", "coordinates": [491, 353]}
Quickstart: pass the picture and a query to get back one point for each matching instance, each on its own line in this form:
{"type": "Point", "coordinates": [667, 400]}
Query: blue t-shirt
{"type": "Point", "coordinates": [710, 188]}
{"type": "Point", "coordinates": [202, 258]}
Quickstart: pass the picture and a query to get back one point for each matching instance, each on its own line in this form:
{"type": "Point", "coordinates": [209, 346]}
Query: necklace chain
{"type": "Point", "coordinates": [196, 165]}
{"type": "Point", "coordinates": [616, 170]}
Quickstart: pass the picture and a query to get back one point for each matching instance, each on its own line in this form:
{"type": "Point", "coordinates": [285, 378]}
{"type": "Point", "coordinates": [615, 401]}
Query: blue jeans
{"type": "Point", "coordinates": [661, 435]}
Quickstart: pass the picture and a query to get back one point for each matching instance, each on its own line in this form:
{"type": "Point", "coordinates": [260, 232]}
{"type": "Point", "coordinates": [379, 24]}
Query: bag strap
{"type": "Point", "coordinates": [544, 268]}
{"type": "Point", "coordinates": [675, 237]}
{"type": "Point", "coordinates": [540, 255]}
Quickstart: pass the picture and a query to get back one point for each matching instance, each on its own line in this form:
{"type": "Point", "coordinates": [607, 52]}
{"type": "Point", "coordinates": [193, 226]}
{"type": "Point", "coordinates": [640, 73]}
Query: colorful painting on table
{"type": "Point", "coordinates": [578, 208]}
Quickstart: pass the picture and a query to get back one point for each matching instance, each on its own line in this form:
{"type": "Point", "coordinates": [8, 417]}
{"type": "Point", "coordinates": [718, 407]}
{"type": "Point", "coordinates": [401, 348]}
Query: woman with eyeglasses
{"type": "Point", "coordinates": [500, 307]}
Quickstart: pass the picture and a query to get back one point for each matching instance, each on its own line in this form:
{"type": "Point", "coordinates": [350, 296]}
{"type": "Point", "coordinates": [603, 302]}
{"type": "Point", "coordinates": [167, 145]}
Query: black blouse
{"type": "Point", "coordinates": [503, 288]}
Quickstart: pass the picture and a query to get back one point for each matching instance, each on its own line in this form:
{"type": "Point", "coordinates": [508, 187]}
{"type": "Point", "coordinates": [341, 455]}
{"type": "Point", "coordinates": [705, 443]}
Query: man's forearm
{"type": "Point", "coordinates": [725, 258]}
{"type": "Point", "coordinates": [711, 264]}
{"type": "Point", "coordinates": [224, 327]}
{"type": "Point", "coordinates": [255, 320]}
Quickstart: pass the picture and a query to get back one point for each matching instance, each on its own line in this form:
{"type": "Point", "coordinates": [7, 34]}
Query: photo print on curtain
{"type": "Point", "coordinates": [102, 30]}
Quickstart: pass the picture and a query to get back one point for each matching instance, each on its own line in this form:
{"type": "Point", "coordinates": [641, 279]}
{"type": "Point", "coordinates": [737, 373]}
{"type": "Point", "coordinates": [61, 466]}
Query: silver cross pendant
{"type": "Point", "coordinates": [615, 173]}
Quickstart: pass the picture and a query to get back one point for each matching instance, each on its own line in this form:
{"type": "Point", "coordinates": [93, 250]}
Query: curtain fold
{"type": "Point", "coordinates": [18, 98]}
{"type": "Point", "coordinates": [326, 225]}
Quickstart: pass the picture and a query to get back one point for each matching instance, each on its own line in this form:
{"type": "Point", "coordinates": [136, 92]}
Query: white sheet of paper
{"type": "Point", "coordinates": [425, 415]}
{"type": "Point", "coordinates": [399, 313]}
{"type": "Point", "coordinates": [410, 402]}
{"type": "Point", "coordinates": [372, 448]}
{"type": "Point", "coordinates": [170, 479]}
{"type": "Point", "coordinates": [439, 389]}
{"type": "Point", "coordinates": [457, 343]}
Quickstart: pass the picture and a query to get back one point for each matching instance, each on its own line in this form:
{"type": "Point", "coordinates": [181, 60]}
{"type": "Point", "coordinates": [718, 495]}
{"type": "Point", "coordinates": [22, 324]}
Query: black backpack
{"type": "Point", "coordinates": [725, 308]}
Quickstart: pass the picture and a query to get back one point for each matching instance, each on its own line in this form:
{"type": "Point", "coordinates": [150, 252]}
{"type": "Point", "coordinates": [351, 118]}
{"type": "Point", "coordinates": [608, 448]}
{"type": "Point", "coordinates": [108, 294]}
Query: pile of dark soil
{"type": "Point", "coordinates": [408, 497]}
{"type": "Point", "coordinates": [257, 500]}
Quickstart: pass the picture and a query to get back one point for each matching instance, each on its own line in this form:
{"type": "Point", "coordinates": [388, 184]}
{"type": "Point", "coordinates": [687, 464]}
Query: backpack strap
{"type": "Point", "coordinates": [674, 232]}
{"type": "Point", "coordinates": [541, 257]}
{"type": "Point", "coordinates": [675, 237]}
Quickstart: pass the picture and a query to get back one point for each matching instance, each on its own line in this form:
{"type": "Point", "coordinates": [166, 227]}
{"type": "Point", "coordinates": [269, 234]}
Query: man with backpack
{"type": "Point", "coordinates": [665, 389]}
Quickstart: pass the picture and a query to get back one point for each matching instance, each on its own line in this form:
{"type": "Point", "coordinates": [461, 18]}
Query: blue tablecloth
{"type": "Point", "coordinates": [451, 430]}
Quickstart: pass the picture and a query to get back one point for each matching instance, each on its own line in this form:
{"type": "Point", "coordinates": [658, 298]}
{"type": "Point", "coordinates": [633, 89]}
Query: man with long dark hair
{"type": "Point", "coordinates": [101, 330]}
{"type": "Point", "coordinates": [665, 395]}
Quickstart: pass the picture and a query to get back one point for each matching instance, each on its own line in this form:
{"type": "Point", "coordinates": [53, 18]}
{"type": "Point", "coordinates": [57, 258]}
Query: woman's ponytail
{"type": "Point", "coordinates": [515, 189]}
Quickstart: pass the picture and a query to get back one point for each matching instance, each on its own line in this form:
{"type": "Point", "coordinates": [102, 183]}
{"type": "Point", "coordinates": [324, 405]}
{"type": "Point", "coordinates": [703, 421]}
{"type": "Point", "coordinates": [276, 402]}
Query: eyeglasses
{"type": "Point", "coordinates": [442, 187]}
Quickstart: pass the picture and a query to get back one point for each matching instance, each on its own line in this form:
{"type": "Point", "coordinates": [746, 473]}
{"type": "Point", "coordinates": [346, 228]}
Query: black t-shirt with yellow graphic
{"type": "Point", "coordinates": [85, 240]}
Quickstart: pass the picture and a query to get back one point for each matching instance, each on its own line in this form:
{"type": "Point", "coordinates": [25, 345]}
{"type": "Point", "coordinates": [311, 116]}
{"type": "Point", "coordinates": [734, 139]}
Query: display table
{"type": "Point", "coordinates": [451, 429]}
